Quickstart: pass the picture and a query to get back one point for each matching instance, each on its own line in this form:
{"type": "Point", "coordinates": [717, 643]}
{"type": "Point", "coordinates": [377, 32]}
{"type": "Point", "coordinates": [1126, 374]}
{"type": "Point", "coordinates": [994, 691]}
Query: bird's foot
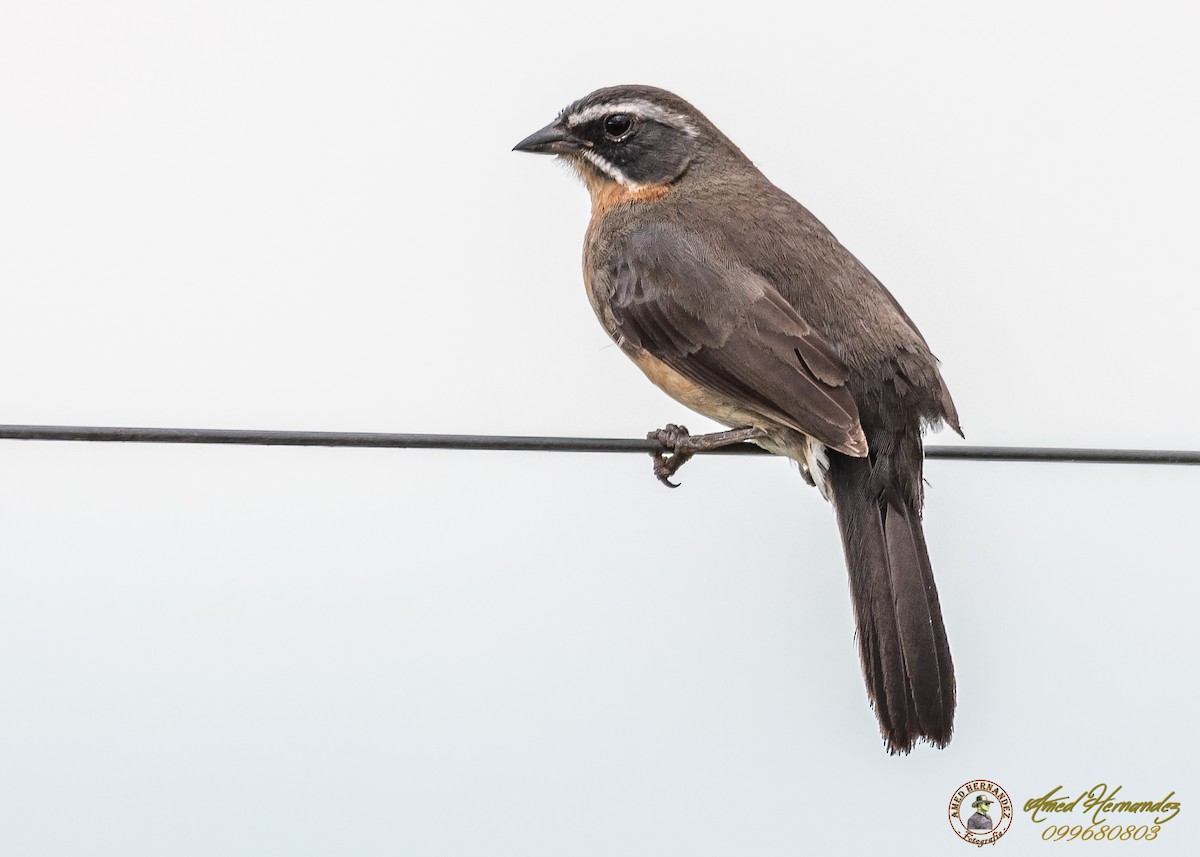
{"type": "Point", "coordinates": [680, 446]}
{"type": "Point", "coordinates": [676, 440]}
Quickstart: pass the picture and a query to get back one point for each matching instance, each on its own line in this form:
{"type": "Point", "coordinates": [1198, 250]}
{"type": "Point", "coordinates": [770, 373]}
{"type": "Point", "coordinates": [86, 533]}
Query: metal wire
{"type": "Point", "coordinates": [549, 444]}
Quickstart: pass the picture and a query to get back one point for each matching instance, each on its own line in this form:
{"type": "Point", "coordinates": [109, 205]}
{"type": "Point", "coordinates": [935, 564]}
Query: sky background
{"type": "Point", "coordinates": [306, 216]}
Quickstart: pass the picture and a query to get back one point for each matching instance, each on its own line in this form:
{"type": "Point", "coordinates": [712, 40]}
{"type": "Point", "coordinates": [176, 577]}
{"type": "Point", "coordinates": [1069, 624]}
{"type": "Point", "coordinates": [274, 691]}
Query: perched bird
{"type": "Point", "coordinates": [730, 296]}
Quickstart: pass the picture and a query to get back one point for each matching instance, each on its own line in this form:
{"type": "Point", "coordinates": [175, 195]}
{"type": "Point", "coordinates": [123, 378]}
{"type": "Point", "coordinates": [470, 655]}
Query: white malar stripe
{"type": "Point", "coordinates": [611, 170]}
{"type": "Point", "coordinates": [643, 109]}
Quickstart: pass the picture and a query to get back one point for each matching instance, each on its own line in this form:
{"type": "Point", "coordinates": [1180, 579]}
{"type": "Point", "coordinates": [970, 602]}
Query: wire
{"type": "Point", "coordinates": [549, 444]}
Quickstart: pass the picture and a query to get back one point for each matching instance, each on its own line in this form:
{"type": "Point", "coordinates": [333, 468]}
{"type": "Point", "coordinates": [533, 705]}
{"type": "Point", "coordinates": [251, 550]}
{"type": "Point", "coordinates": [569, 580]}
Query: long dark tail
{"type": "Point", "coordinates": [901, 639]}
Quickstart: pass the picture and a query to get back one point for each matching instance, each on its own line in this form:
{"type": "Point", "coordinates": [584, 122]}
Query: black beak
{"type": "Point", "coordinates": [551, 140]}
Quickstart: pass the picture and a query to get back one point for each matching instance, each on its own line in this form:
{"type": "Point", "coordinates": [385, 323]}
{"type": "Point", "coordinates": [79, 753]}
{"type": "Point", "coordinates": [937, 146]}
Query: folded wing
{"type": "Point", "coordinates": [724, 327]}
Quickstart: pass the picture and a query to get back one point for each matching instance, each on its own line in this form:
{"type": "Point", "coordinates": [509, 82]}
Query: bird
{"type": "Point", "coordinates": [737, 302]}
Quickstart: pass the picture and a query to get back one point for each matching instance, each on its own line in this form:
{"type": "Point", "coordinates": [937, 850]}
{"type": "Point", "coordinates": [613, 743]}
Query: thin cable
{"type": "Point", "coordinates": [549, 444]}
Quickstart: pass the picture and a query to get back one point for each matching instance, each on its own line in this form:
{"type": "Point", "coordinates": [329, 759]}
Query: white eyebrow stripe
{"type": "Point", "coordinates": [614, 172]}
{"type": "Point", "coordinates": [645, 109]}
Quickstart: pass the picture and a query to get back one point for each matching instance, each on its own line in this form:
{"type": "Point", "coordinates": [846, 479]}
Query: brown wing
{"type": "Point", "coordinates": [727, 329]}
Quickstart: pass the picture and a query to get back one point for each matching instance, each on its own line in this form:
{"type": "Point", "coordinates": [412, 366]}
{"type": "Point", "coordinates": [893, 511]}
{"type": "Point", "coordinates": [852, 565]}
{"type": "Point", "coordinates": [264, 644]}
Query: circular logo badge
{"type": "Point", "coordinates": [980, 812]}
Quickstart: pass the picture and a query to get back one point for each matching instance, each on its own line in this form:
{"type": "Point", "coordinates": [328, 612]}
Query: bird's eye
{"type": "Point", "coordinates": [618, 125]}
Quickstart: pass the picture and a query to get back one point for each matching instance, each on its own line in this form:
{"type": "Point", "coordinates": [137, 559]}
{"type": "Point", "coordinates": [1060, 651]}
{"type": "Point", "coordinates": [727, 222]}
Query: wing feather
{"type": "Point", "coordinates": [729, 330]}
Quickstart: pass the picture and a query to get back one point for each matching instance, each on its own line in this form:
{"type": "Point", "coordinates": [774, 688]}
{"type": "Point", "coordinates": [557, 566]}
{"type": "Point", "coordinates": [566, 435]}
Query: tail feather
{"type": "Point", "coordinates": [901, 639]}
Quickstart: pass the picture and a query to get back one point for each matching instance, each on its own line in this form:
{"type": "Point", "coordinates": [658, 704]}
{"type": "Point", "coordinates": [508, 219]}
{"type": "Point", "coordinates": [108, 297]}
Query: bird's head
{"type": "Point", "coordinates": [630, 140]}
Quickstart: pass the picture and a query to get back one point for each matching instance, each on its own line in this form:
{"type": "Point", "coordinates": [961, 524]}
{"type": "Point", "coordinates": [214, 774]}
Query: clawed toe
{"type": "Point", "coordinates": [663, 471]}
{"type": "Point", "coordinates": [681, 446]}
{"type": "Point", "coordinates": [675, 439]}
{"type": "Point", "coordinates": [671, 436]}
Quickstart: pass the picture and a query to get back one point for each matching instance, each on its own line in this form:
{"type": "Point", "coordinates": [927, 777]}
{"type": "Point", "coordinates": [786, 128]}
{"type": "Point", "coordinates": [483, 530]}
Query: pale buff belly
{"type": "Point", "coordinates": [780, 439]}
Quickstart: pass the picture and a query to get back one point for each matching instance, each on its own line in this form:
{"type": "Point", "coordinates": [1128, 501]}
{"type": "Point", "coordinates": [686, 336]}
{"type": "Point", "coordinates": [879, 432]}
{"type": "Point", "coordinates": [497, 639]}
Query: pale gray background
{"type": "Point", "coordinates": [282, 215]}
